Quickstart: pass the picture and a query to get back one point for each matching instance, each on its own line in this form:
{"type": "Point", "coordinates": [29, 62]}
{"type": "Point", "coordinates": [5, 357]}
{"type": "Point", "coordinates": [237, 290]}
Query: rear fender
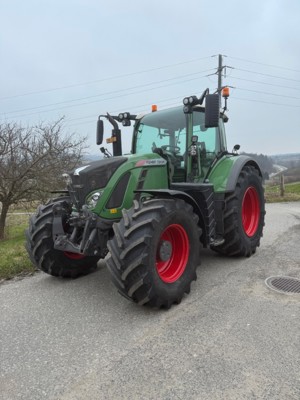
{"type": "Point", "coordinates": [240, 163]}
{"type": "Point", "coordinates": [226, 172]}
{"type": "Point", "coordinates": [224, 177]}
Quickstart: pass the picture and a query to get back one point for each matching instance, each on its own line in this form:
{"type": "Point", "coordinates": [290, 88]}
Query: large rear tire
{"type": "Point", "coordinates": [154, 252]}
{"type": "Point", "coordinates": [39, 245]}
{"type": "Point", "coordinates": [244, 215]}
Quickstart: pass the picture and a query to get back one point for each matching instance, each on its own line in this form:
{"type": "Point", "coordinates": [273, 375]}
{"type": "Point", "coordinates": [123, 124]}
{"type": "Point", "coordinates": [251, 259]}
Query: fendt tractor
{"type": "Point", "coordinates": [153, 210]}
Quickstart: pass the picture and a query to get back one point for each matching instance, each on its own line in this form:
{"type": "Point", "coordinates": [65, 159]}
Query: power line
{"type": "Point", "coordinates": [104, 79]}
{"type": "Point", "coordinates": [264, 83]}
{"type": "Point", "coordinates": [269, 75]}
{"type": "Point", "coordinates": [172, 104]}
{"type": "Point", "coordinates": [265, 102]}
{"type": "Point", "coordinates": [118, 95]}
{"type": "Point", "coordinates": [267, 65]}
{"type": "Point", "coordinates": [136, 108]}
{"type": "Point", "coordinates": [105, 93]}
{"type": "Point", "coordinates": [267, 93]}
{"type": "Point", "coordinates": [109, 98]}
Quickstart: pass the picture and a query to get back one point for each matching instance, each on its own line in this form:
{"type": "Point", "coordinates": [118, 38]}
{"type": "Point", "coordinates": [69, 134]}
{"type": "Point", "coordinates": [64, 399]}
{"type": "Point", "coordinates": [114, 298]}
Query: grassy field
{"type": "Point", "coordinates": [292, 193]}
{"type": "Point", "coordinates": [13, 256]}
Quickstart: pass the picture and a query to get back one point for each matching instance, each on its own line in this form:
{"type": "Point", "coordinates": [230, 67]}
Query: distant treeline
{"type": "Point", "coordinates": [287, 160]}
{"type": "Point", "coordinates": [265, 163]}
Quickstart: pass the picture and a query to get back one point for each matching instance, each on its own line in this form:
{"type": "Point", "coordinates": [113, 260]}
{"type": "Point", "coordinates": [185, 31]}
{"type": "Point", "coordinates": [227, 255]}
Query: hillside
{"type": "Point", "coordinates": [292, 175]}
{"type": "Point", "coordinates": [287, 160]}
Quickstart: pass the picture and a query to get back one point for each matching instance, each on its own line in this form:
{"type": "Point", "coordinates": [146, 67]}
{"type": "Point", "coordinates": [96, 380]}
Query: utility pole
{"type": "Point", "coordinates": [220, 72]}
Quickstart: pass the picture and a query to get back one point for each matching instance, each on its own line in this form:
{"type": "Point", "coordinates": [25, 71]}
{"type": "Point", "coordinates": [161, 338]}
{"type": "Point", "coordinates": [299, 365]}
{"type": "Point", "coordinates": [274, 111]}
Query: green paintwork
{"type": "Point", "coordinates": [157, 178]}
{"type": "Point", "coordinates": [221, 172]}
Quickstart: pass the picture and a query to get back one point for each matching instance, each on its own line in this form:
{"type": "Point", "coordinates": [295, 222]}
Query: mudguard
{"type": "Point", "coordinates": [200, 197]}
{"type": "Point", "coordinates": [236, 169]}
{"type": "Point", "coordinates": [225, 174]}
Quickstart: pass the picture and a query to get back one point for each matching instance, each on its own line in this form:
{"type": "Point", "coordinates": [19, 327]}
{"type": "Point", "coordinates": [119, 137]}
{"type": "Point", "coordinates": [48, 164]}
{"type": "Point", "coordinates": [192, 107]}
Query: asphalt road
{"type": "Point", "coordinates": [231, 338]}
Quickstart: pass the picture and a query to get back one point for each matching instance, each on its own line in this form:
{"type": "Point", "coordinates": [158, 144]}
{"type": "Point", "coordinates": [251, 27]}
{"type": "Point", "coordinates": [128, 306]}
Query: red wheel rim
{"type": "Point", "coordinates": [170, 270]}
{"type": "Point", "coordinates": [250, 211]}
{"type": "Point", "coordinates": [73, 256]}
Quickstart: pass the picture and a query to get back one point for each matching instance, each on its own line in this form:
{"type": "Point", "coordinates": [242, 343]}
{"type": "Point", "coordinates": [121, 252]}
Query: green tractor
{"type": "Point", "coordinates": [153, 210]}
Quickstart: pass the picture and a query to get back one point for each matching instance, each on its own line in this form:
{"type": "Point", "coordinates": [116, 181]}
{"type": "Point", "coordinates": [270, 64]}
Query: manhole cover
{"type": "Point", "coordinates": [283, 284]}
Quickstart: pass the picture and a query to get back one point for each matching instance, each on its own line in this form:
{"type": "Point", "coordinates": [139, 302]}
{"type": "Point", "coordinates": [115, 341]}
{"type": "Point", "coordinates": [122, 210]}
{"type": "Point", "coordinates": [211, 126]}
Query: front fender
{"type": "Point", "coordinates": [200, 197]}
{"type": "Point", "coordinates": [172, 193]}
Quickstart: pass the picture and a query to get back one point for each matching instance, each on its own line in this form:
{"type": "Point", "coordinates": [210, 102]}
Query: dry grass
{"type": "Point", "coordinates": [292, 193]}
{"type": "Point", "coordinates": [14, 260]}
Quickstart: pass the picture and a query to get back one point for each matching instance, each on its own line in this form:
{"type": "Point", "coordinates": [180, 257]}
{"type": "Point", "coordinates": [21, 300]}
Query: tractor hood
{"type": "Point", "coordinates": [92, 176]}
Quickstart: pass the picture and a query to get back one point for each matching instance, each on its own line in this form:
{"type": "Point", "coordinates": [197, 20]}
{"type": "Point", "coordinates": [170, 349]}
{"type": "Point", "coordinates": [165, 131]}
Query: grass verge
{"type": "Point", "coordinates": [14, 260]}
{"type": "Point", "coordinates": [292, 193]}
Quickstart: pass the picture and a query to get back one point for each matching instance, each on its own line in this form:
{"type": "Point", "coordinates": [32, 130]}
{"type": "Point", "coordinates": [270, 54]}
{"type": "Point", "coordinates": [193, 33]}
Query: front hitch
{"type": "Point", "coordinates": [83, 239]}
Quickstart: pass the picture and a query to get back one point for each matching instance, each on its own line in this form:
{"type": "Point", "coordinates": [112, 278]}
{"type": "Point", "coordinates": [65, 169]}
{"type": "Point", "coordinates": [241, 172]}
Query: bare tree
{"type": "Point", "coordinates": [32, 161]}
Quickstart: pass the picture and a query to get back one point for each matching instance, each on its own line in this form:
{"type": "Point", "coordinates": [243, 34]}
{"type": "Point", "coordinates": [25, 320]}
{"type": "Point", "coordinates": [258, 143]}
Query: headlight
{"type": "Point", "coordinates": [93, 199]}
{"type": "Point", "coordinates": [67, 179]}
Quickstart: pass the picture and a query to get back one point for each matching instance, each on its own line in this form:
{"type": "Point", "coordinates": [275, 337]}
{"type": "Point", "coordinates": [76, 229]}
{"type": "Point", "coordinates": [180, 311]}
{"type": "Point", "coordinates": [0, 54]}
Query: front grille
{"type": "Point", "coordinates": [94, 176]}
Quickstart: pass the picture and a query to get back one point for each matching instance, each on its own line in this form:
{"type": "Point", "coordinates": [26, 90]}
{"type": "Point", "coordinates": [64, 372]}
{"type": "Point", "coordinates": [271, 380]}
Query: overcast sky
{"type": "Point", "coordinates": [81, 58]}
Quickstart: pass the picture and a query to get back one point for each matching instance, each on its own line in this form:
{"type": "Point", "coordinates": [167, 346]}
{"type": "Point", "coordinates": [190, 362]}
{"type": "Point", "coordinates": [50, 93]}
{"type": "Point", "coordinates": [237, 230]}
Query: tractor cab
{"type": "Point", "coordinates": [190, 138]}
{"type": "Point", "coordinates": [183, 139]}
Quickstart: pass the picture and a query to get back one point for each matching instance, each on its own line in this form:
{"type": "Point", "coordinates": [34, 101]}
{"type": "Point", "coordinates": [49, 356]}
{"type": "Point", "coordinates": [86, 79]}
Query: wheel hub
{"type": "Point", "coordinates": [250, 211]}
{"type": "Point", "coordinates": [165, 250]}
{"type": "Point", "coordinates": [172, 253]}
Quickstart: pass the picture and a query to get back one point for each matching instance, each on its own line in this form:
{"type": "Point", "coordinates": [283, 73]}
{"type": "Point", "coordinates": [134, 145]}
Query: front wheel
{"type": "Point", "coordinates": [244, 215]}
{"type": "Point", "coordinates": [154, 252]}
{"type": "Point", "coordinates": [40, 246]}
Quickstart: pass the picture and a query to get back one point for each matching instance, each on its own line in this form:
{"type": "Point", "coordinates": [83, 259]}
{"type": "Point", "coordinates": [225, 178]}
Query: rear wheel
{"type": "Point", "coordinates": [154, 252]}
{"type": "Point", "coordinates": [40, 246]}
{"type": "Point", "coordinates": [244, 215]}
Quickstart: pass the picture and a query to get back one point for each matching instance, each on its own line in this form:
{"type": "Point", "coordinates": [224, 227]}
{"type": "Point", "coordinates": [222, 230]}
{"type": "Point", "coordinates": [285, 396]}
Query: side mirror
{"type": "Point", "coordinates": [100, 130]}
{"type": "Point", "coordinates": [212, 110]}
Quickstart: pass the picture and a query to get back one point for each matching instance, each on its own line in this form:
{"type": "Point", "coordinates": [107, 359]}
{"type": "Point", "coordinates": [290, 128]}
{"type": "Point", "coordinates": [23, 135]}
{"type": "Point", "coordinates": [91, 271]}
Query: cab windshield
{"type": "Point", "coordinates": [165, 129]}
{"type": "Point", "coordinates": [164, 132]}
